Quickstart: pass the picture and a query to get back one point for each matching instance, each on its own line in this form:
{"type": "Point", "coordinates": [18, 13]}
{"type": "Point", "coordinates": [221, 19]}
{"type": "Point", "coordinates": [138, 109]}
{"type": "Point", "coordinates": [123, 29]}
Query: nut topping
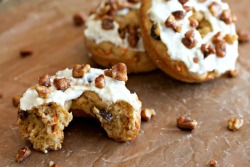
{"type": "Point", "coordinates": [107, 23]}
{"type": "Point", "coordinates": [233, 74]}
{"type": "Point", "coordinates": [217, 38]}
{"type": "Point", "coordinates": [228, 17]}
{"type": "Point", "coordinates": [100, 81]}
{"type": "Point", "coordinates": [22, 154]}
{"type": "Point", "coordinates": [235, 124]}
{"type": "Point", "coordinates": [193, 23]}
{"type": "Point", "coordinates": [220, 48]}
{"type": "Point", "coordinates": [171, 23]}
{"type": "Point", "coordinates": [207, 49]}
{"type": "Point", "coordinates": [179, 14]}
{"type": "Point", "coordinates": [230, 39]}
{"type": "Point", "coordinates": [185, 123]}
{"type": "Point", "coordinates": [42, 91]}
{"type": "Point", "coordinates": [16, 101]}
{"type": "Point", "coordinates": [155, 32]}
{"type": "Point", "coordinates": [133, 37]}
{"type": "Point", "coordinates": [61, 83]}
{"type": "Point", "coordinates": [243, 36]}
{"type": "Point", "coordinates": [215, 9]}
{"type": "Point", "coordinates": [189, 40]}
{"type": "Point", "coordinates": [44, 80]}
{"type": "Point", "coordinates": [147, 114]}
{"type": "Point", "coordinates": [79, 70]}
{"type": "Point", "coordinates": [183, 1]}
{"type": "Point", "coordinates": [118, 72]}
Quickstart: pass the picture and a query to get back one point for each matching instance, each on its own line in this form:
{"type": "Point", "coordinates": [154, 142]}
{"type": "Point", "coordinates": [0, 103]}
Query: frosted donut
{"type": "Point", "coordinates": [112, 35]}
{"type": "Point", "coordinates": [45, 109]}
{"type": "Point", "coordinates": [190, 40]}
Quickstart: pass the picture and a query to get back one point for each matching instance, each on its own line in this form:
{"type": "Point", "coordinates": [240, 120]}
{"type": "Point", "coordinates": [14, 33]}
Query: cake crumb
{"type": "Point", "coordinates": [213, 163]}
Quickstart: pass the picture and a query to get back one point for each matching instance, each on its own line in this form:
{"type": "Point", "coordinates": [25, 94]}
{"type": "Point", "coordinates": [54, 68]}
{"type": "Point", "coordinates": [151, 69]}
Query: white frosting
{"type": "Point", "coordinates": [94, 31]}
{"type": "Point", "coordinates": [162, 9]}
{"type": "Point", "coordinates": [113, 91]}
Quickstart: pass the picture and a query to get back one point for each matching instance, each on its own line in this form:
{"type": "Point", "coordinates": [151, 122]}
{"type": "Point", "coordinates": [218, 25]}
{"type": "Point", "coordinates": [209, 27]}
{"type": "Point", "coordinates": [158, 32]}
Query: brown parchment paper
{"type": "Point", "coordinates": [45, 26]}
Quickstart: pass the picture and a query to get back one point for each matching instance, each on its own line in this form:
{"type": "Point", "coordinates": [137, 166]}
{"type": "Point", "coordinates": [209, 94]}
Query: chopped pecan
{"type": "Point", "coordinates": [61, 83]}
{"type": "Point", "coordinates": [122, 30]}
{"type": "Point", "coordinates": [118, 72]}
{"type": "Point", "coordinates": [186, 123]}
{"type": "Point", "coordinates": [155, 32]}
{"type": "Point", "coordinates": [79, 70]}
{"type": "Point", "coordinates": [235, 124]}
{"type": "Point", "coordinates": [228, 17]}
{"type": "Point", "coordinates": [213, 163]}
{"type": "Point", "coordinates": [79, 18]}
{"type": "Point", "coordinates": [107, 23]}
{"type": "Point", "coordinates": [171, 23]}
{"type": "Point", "coordinates": [100, 81]}
{"type": "Point", "coordinates": [230, 39]}
{"type": "Point", "coordinates": [215, 8]}
{"type": "Point", "coordinates": [16, 101]}
{"type": "Point", "coordinates": [133, 39]}
{"type": "Point", "coordinates": [189, 40]}
{"type": "Point", "coordinates": [220, 48]}
{"type": "Point", "coordinates": [187, 8]}
{"type": "Point", "coordinates": [22, 154]}
{"type": "Point", "coordinates": [243, 36]}
{"type": "Point", "coordinates": [217, 38]}
{"type": "Point", "coordinates": [193, 23]}
{"type": "Point", "coordinates": [183, 1]}
{"type": "Point", "coordinates": [147, 114]}
{"type": "Point", "coordinates": [42, 91]}
{"type": "Point", "coordinates": [44, 80]}
{"type": "Point", "coordinates": [25, 53]}
{"type": "Point", "coordinates": [179, 14]}
{"type": "Point", "coordinates": [207, 49]}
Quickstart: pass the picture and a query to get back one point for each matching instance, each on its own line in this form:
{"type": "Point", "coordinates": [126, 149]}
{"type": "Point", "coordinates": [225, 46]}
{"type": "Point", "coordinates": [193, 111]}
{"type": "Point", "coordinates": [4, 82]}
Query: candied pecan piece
{"type": "Point", "coordinates": [171, 23]}
{"type": "Point", "coordinates": [100, 81]}
{"type": "Point", "coordinates": [107, 23]}
{"type": "Point", "coordinates": [44, 80]}
{"type": "Point", "coordinates": [215, 8]}
{"type": "Point", "coordinates": [243, 36]}
{"type": "Point", "coordinates": [187, 8]}
{"type": "Point", "coordinates": [230, 39]}
{"type": "Point", "coordinates": [183, 1]}
{"type": "Point", "coordinates": [133, 39]}
{"type": "Point", "coordinates": [193, 23]}
{"type": "Point", "coordinates": [61, 83]}
{"type": "Point", "coordinates": [220, 48]}
{"type": "Point", "coordinates": [122, 30]}
{"type": "Point", "coordinates": [16, 101]}
{"type": "Point", "coordinates": [228, 17]}
{"type": "Point", "coordinates": [22, 154]}
{"type": "Point", "coordinates": [118, 72]}
{"type": "Point", "coordinates": [79, 18]}
{"type": "Point", "coordinates": [217, 38]}
{"type": "Point", "coordinates": [189, 40]}
{"type": "Point", "coordinates": [207, 49]}
{"type": "Point", "coordinates": [147, 114]}
{"type": "Point", "coordinates": [42, 91]}
{"type": "Point", "coordinates": [186, 123]}
{"type": "Point", "coordinates": [179, 14]}
{"type": "Point", "coordinates": [155, 32]}
{"type": "Point", "coordinates": [235, 124]}
{"type": "Point", "coordinates": [233, 74]}
{"type": "Point", "coordinates": [79, 70]}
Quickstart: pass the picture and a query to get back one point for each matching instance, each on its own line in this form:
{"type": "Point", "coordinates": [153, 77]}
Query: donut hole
{"type": "Point", "coordinates": [204, 27]}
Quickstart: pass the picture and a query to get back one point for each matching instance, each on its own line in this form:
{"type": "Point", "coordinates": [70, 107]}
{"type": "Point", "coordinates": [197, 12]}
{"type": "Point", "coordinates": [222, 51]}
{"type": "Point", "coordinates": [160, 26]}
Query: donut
{"type": "Point", "coordinates": [190, 40]}
{"type": "Point", "coordinates": [46, 108]}
{"type": "Point", "coordinates": [112, 35]}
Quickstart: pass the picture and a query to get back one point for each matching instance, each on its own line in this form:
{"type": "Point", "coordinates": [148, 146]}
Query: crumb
{"type": "Point", "coordinates": [79, 18]}
{"type": "Point", "coordinates": [16, 101]}
{"type": "Point", "coordinates": [25, 53]}
{"type": "Point", "coordinates": [235, 124]}
{"type": "Point", "coordinates": [185, 123]}
{"type": "Point", "coordinates": [22, 154]}
{"type": "Point", "coordinates": [147, 114]}
{"type": "Point", "coordinates": [213, 163]}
